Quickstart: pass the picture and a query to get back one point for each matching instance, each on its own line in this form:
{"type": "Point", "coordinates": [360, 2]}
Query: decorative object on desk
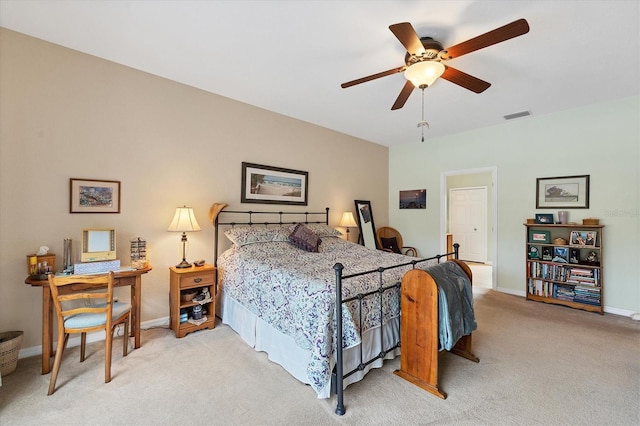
{"type": "Point", "coordinates": [413, 199]}
{"type": "Point", "coordinates": [591, 221]}
{"type": "Point", "coordinates": [41, 264]}
{"type": "Point", "coordinates": [563, 216]}
{"type": "Point", "coordinates": [67, 264]}
{"type": "Point", "coordinates": [94, 196]}
{"type": "Point", "coordinates": [546, 218]}
{"type": "Point", "coordinates": [184, 221]}
{"type": "Point", "coordinates": [542, 237]}
{"type": "Point", "coordinates": [273, 185]}
{"type": "Point", "coordinates": [347, 221]}
{"type": "Point", "coordinates": [567, 192]}
{"type": "Point", "coordinates": [138, 253]}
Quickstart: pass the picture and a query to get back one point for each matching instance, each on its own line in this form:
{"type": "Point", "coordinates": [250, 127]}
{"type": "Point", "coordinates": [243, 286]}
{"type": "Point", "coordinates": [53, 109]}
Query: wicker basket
{"type": "Point", "coordinates": [560, 242]}
{"type": "Point", "coordinates": [591, 221]}
{"type": "Point", "coordinates": [10, 342]}
{"type": "Point", "coordinates": [187, 296]}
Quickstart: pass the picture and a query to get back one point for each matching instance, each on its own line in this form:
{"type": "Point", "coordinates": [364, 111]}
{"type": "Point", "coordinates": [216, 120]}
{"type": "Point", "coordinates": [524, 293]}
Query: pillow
{"type": "Point", "coordinates": [304, 238]}
{"type": "Point", "coordinates": [320, 229]}
{"type": "Point", "coordinates": [391, 244]}
{"type": "Point", "coordinates": [256, 234]}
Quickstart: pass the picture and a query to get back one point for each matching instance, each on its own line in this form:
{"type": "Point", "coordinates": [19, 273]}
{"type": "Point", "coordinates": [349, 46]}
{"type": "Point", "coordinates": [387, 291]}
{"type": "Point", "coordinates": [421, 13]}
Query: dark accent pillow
{"type": "Point", "coordinates": [391, 244]}
{"type": "Point", "coordinates": [304, 238]}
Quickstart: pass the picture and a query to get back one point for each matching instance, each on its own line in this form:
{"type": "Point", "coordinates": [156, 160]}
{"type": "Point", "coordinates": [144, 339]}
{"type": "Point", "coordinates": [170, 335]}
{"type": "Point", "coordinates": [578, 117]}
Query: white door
{"type": "Point", "coordinates": [468, 222]}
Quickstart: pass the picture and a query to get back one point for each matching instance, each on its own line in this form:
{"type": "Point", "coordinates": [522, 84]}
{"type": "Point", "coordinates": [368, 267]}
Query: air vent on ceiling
{"type": "Point", "coordinates": [517, 115]}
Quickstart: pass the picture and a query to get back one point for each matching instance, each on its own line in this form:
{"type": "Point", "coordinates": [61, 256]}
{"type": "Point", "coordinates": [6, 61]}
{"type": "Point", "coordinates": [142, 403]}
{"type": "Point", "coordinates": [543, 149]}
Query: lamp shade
{"type": "Point", "coordinates": [423, 74]}
{"type": "Point", "coordinates": [184, 220]}
{"type": "Point", "coordinates": [347, 220]}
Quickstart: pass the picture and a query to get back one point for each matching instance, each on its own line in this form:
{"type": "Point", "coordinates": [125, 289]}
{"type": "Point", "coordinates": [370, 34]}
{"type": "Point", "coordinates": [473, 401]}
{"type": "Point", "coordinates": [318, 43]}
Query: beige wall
{"type": "Point", "coordinates": [65, 114]}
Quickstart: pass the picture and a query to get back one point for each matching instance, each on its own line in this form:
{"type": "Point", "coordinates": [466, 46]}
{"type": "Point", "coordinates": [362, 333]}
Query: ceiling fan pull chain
{"type": "Point", "coordinates": [423, 123]}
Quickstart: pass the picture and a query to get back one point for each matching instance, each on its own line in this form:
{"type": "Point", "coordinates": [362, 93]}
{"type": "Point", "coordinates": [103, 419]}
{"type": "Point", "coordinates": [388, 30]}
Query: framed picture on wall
{"type": "Point", "coordinates": [273, 185]}
{"type": "Point", "coordinates": [94, 196]}
{"type": "Point", "coordinates": [567, 192]}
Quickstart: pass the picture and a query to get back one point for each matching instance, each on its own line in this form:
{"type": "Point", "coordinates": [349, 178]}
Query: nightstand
{"type": "Point", "coordinates": [184, 282]}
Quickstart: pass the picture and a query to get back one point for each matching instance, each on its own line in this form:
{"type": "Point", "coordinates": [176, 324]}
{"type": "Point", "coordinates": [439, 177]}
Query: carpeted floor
{"type": "Point", "coordinates": [539, 365]}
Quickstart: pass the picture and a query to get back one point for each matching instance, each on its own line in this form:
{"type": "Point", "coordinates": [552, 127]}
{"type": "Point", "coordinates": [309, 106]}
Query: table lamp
{"type": "Point", "coordinates": [184, 221]}
{"type": "Point", "coordinates": [348, 221]}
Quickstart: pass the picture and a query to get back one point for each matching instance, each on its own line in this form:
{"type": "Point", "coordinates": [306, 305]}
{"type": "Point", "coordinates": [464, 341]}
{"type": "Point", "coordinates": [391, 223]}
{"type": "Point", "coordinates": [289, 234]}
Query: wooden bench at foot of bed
{"type": "Point", "coordinates": [419, 332]}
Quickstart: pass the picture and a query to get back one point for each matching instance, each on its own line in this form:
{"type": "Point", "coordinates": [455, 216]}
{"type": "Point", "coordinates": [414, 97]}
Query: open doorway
{"type": "Point", "coordinates": [468, 212]}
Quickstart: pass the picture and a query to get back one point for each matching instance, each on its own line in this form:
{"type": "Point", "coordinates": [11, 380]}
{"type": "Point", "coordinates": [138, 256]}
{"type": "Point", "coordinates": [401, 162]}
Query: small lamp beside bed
{"type": "Point", "coordinates": [184, 221]}
{"type": "Point", "coordinates": [347, 221]}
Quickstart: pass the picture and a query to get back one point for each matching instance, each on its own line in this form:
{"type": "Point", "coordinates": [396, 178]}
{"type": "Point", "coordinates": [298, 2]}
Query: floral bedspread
{"type": "Point", "coordinates": [294, 291]}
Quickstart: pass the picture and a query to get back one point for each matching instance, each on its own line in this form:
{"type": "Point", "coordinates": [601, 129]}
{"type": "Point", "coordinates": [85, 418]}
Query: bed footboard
{"type": "Point", "coordinates": [420, 330]}
{"type": "Point", "coordinates": [339, 373]}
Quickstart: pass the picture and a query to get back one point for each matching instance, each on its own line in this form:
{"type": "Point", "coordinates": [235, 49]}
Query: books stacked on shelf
{"type": "Point", "coordinates": [549, 271]}
{"type": "Point", "coordinates": [587, 294]}
{"type": "Point", "coordinates": [586, 276]}
{"type": "Point", "coordinates": [564, 292]}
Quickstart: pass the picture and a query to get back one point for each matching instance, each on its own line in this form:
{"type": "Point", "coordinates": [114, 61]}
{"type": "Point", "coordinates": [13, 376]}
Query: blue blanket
{"type": "Point", "coordinates": [455, 303]}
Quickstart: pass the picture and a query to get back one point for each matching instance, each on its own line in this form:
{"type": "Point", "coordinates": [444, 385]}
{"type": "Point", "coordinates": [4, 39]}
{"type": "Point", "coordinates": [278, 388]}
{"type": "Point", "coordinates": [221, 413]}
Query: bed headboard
{"type": "Point", "coordinates": [252, 218]}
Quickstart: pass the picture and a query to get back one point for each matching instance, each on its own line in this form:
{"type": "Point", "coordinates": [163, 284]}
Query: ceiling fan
{"type": "Point", "coordinates": [425, 56]}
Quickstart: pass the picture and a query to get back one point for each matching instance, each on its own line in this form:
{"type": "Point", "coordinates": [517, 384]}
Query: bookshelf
{"type": "Point", "coordinates": [564, 265]}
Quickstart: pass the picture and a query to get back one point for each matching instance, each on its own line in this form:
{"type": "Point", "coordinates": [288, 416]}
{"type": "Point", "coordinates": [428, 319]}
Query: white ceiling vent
{"type": "Point", "coordinates": [517, 115]}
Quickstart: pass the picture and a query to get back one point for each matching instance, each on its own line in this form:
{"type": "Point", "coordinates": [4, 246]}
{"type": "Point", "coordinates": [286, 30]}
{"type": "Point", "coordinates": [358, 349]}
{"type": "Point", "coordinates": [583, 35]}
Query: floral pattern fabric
{"type": "Point", "coordinates": [294, 291]}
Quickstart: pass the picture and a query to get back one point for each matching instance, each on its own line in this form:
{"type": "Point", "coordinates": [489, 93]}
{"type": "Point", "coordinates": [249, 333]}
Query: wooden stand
{"type": "Point", "coordinates": [419, 331]}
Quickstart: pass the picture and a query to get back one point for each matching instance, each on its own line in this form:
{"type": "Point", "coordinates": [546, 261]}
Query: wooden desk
{"type": "Point", "coordinates": [122, 279]}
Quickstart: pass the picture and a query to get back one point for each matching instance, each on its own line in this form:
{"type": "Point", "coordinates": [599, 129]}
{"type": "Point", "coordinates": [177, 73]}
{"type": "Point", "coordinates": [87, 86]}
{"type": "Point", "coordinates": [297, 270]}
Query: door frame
{"type": "Point", "coordinates": [444, 207]}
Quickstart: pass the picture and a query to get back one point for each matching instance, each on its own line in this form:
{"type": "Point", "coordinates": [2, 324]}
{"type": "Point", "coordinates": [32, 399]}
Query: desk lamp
{"type": "Point", "coordinates": [184, 221]}
{"type": "Point", "coordinates": [347, 221]}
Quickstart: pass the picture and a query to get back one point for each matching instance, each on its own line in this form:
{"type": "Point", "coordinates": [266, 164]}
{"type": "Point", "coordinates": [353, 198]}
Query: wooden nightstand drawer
{"type": "Point", "coordinates": [197, 279]}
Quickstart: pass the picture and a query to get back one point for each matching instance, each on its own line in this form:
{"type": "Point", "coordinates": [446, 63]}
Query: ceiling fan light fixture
{"type": "Point", "coordinates": [423, 74]}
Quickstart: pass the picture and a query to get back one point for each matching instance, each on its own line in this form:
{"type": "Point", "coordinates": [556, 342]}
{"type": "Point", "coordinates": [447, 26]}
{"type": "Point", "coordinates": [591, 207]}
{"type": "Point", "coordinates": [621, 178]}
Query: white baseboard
{"type": "Point", "coordinates": [92, 337]}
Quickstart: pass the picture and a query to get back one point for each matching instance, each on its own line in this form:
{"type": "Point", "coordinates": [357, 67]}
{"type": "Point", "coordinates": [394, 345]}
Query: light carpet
{"type": "Point", "coordinates": [539, 365]}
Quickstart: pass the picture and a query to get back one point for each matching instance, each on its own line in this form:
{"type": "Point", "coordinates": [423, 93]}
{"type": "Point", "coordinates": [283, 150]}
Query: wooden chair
{"type": "Point", "coordinates": [389, 239]}
{"type": "Point", "coordinates": [81, 309]}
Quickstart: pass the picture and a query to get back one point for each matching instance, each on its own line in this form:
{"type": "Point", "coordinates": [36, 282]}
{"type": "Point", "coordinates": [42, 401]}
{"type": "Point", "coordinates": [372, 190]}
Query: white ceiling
{"type": "Point", "coordinates": [291, 56]}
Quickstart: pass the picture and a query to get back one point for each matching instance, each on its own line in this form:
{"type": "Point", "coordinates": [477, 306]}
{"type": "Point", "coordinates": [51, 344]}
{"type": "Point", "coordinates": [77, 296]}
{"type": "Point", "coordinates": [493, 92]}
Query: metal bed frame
{"type": "Point", "coordinates": [338, 374]}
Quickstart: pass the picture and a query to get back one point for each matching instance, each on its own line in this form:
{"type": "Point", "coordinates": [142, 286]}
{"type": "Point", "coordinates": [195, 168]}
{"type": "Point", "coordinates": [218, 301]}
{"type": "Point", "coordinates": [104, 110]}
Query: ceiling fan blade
{"type": "Point", "coordinates": [372, 77]}
{"type": "Point", "coordinates": [403, 96]}
{"type": "Point", "coordinates": [407, 35]}
{"type": "Point", "coordinates": [465, 80]}
{"type": "Point", "coordinates": [509, 31]}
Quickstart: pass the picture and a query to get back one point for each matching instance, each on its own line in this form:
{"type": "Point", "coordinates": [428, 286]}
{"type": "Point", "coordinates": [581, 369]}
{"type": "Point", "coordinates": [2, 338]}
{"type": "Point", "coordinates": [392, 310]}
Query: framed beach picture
{"type": "Point", "coordinates": [583, 238]}
{"type": "Point", "coordinates": [567, 192]}
{"type": "Point", "coordinates": [94, 196]}
{"type": "Point", "coordinates": [273, 185]}
{"type": "Point", "coordinates": [413, 199]}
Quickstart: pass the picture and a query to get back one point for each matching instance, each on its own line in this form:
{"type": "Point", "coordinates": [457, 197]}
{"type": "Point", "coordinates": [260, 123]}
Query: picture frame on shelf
{"type": "Point", "coordinates": [273, 185]}
{"type": "Point", "coordinates": [583, 238]}
{"type": "Point", "coordinates": [561, 254]}
{"type": "Point", "coordinates": [94, 196]}
{"type": "Point", "coordinates": [574, 255]}
{"type": "Point", "coordinates": [565, 192]}
{"type": "Point", "coordinates": [534, 252]}
{"type": "Point", "coordinates": [544, 218]}
{"type": "Point", "coordinates": [540, 237]}
{"type": "Point", "coordinates": [547, 253]}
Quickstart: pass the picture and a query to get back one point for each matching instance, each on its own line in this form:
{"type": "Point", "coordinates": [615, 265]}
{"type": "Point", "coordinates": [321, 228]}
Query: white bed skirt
{"type": "Point", "coordinates": [282, 349]}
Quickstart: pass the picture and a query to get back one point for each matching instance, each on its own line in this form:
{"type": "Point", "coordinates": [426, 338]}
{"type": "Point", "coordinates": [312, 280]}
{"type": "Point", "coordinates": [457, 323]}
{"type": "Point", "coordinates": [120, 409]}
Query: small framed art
{"type": "Point", "coordinates": [540, 237]}
{"type": "Point", "coordinates": [583, 238]}
{"type": "Point", "coordinates": [94, 196]}
{"type": "Point", "coordinates": [544, 218]}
